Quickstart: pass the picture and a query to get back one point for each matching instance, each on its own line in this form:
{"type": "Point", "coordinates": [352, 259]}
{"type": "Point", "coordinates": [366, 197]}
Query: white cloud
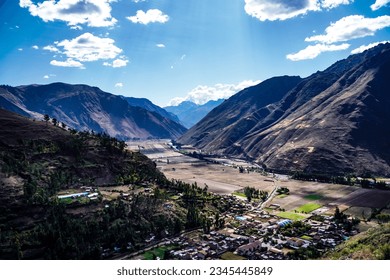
{"type": "Point", "coordinates": [87, 48]}
{"type": "Point", "coordinates": [160, 45]}
{"type": "Point", "coordinates": [150, 16]}
{"type": "Point", "coordinates": [351, 27]}
{"type": "Point", "coordinates": [49, 76]}
{"type": "Point", "coordinates": [51, 48]}
{"type": "Point", "coordinates": [73, 12]}
{"type": "Point", "coordinates": [20, 49]}
{"type": "Point", "coordinates": [68, 63]}
{"type": "Point", "coordinates": [311, 52]}
{"type": "Point", "coordinates": [202, 94]}
{"type": "Point", "coordinates": [120, 62]}
{"type": "Point", "coordinates": [119, 85]}
{"type": "Point", "coordinates": [279, 9]}
{"type": "Point", "coordinates": [35, 47]}
{"type": "Point", "coordinates": [379, 4]}
{"type": "Point", "coordinates": [366, 47]}
{"type": "Point", "coordinates": [329, 4]}
{"type": "Point", "coordinates": [286, 9]}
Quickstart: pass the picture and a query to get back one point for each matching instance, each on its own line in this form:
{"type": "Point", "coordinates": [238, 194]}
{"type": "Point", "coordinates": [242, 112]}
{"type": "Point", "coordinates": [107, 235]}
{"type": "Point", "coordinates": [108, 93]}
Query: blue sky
{"type": "Point", "coordinates": [174, 50]}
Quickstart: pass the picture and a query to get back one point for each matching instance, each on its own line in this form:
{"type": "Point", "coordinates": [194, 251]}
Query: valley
{"type": "Point", "coordinates": [305, 203]}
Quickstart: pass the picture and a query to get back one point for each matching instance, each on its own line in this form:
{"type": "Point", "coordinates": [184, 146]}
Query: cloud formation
{"type": "Point", "coordinates": [343, 30]}
{"type": "Point", "coordinates": [119, 85]}
{"type": "Point", "coordinates": [366, 47]}
{"type": "Point", "coordinates": [202, 94]}
{"type": "Point", "coordinates": [67, 63]}
{"type": "Point", "coordinates": [73, 12]}
{"type": "Point", "coordinates": [279, 9]}
{"type": "Point", "coordinates": [285, 9]}
{"type": "Point", "coordinates": [87, 48]}
{"type": "Point", "coordinates": [151, 16]}
{"type": "Point", "coordinates": [311, 52]}
{"type": "Point", "coordinates": [160, 45]}
{"type": "Point", "coordinates": [379, 4]}
{"type": "Point", "coordinates": [119, 62]}
{"type": "Point", "coordinates": [330, 4]}
{"type": "Point", "coordinates": [351, 27]}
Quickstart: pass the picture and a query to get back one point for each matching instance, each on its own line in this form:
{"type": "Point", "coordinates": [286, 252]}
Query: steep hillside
{"type": "Point", "coordinates": [39, 161]}
{"type": "Point", "coordinates": [148, 105]}
{"type": "Point", "coordinates": [88, 108]}
{"type": "Point", "coordinates": [190, 113]}
{"type": "Point", "coordinates": [334, 121]}
{"type": "Point", "coordinates": [231, 120]}
{"type": "Point", "coordinates": [371, 245]}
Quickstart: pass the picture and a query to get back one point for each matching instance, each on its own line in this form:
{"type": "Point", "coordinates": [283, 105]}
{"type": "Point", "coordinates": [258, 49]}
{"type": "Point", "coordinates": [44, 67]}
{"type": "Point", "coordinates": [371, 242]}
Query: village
{"type": "Point", "coordinates": [258, 235]}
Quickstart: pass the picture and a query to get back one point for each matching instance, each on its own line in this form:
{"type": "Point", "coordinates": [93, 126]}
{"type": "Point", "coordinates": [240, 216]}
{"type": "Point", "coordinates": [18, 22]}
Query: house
{"type": "Point", "coordinates": [296, 243]}
{"type": "Point", "coordinates": [250, 247]}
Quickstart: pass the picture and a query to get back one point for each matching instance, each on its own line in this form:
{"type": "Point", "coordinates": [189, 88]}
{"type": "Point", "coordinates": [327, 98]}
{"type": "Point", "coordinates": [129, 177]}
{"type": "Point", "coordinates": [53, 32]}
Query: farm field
{"type": "Point", "coordinates": [307, 197]}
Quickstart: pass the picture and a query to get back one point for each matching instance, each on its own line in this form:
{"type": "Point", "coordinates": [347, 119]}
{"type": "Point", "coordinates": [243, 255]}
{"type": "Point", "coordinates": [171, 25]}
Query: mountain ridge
{"type": "Point", "coordinates": [190, 113]}
{"type": "Point", "coordinates": [334, 121]}
{"type": "Point", "coordinates": [88, 108]}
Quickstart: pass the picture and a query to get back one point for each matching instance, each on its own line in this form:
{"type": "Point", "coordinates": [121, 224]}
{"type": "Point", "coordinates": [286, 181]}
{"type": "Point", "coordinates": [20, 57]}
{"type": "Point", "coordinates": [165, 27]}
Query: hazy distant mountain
{"type": "Point", "coordinates": [334, 121]}
{"type": "Point", "coordinates": [148, 105]}
{"type": "Point", "coordinates": [88, 108]}
{"type": "Point", "coordinates": [190, 113]}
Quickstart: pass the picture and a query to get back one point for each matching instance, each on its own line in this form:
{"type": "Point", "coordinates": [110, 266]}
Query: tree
{"type": "Point", "coordinates": [46, 118]}
{"type": "Point", "coordinates": [54, 121]}
{"type": "Point", "coordinates": [63, 125]}
{"type": "Point", "coordinates": [249, 192]}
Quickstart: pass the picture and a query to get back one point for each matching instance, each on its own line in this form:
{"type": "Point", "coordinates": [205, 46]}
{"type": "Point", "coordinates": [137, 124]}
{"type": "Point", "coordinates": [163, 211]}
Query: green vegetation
{"type": "Point", "coordinates": [373, 244]}
{"type": "Point", "coordinates": [231, 256]}
{"type": "Point", "coordinates": [291, 215]}
{"type": "Point", "coordinates": [308, 207]}
{"type": "Point", "coordinates": [305, 237]}
{"type": "Point", "coordinates": [240, 194]}
{"type": "Point", "coordinates": [251, 193]}
{"type": "Point", "coordinates": [59, 161]}
{"type": "Point", "coordinates": [161, 252]}
{"type": "Point", "coordinates": [297, 228]}
{"type": "Point", "coordinates": [283, 190]}
{"type": "Point", "coordinates": [313, 197]}
{"type": "Point", "coordinates": [282, 195]}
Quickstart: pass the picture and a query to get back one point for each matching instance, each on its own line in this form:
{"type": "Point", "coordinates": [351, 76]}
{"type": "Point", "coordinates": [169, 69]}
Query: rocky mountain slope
{"type": "Point", "coordinates": [88, 108]}
{"type": "Point", "coordinates": [334, 121]}
{"type": "Point", "coordinates": [148, 105]}
{"type": "Point", "coordinates": [189, 113]}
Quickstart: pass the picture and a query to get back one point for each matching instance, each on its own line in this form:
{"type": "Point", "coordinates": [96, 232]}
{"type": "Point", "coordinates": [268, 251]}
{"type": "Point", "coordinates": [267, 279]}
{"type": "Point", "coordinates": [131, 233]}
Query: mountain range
{"type": "Point", "coordinates": [335, 121]}
{"type": "Point", "coordinates": [83, 107]}
{"type": "Point", "coordinates": [189, 113]}
{"type": "Point", "coordinates": [148, 105]}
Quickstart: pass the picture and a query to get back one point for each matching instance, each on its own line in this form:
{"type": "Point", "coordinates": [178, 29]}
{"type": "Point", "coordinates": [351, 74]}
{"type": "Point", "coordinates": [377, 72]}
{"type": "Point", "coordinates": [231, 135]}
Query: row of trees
{"type": "Point", "coordinates": [251, 193]}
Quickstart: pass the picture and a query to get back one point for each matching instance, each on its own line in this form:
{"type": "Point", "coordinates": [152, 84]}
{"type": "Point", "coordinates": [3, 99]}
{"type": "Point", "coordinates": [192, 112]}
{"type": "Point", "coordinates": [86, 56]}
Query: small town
{"type": "Point", "coordinates": [252, 233]}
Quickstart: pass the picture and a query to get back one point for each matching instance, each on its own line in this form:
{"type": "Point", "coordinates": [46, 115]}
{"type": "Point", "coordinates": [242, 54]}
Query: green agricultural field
{"type": "Point", "coordinates": [308, 207]}
{"type": "Point", "coordinates": [283, 195]}
{"type": "Point", "coordinates": [291, 215]}
{"type": "Point", "coordinates": [313, 197]}
{"type": "Point", "coordinates": [157, 252]}
{"type": "Point", "coordinates": [239, 194]}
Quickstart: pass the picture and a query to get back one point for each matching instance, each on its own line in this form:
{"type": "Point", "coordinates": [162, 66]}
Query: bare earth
{"type": "Point", "coordinates": [226, 179]}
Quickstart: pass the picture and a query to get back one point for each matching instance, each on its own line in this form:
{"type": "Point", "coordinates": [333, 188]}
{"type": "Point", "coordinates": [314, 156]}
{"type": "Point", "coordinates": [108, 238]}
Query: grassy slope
{"type": "Point", "coordinates": [371, 245]}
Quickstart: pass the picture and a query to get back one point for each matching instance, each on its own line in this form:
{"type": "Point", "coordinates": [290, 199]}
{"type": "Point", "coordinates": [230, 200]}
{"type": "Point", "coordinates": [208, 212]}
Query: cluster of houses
{"type": "Point", "coordinates": [255, 234]}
